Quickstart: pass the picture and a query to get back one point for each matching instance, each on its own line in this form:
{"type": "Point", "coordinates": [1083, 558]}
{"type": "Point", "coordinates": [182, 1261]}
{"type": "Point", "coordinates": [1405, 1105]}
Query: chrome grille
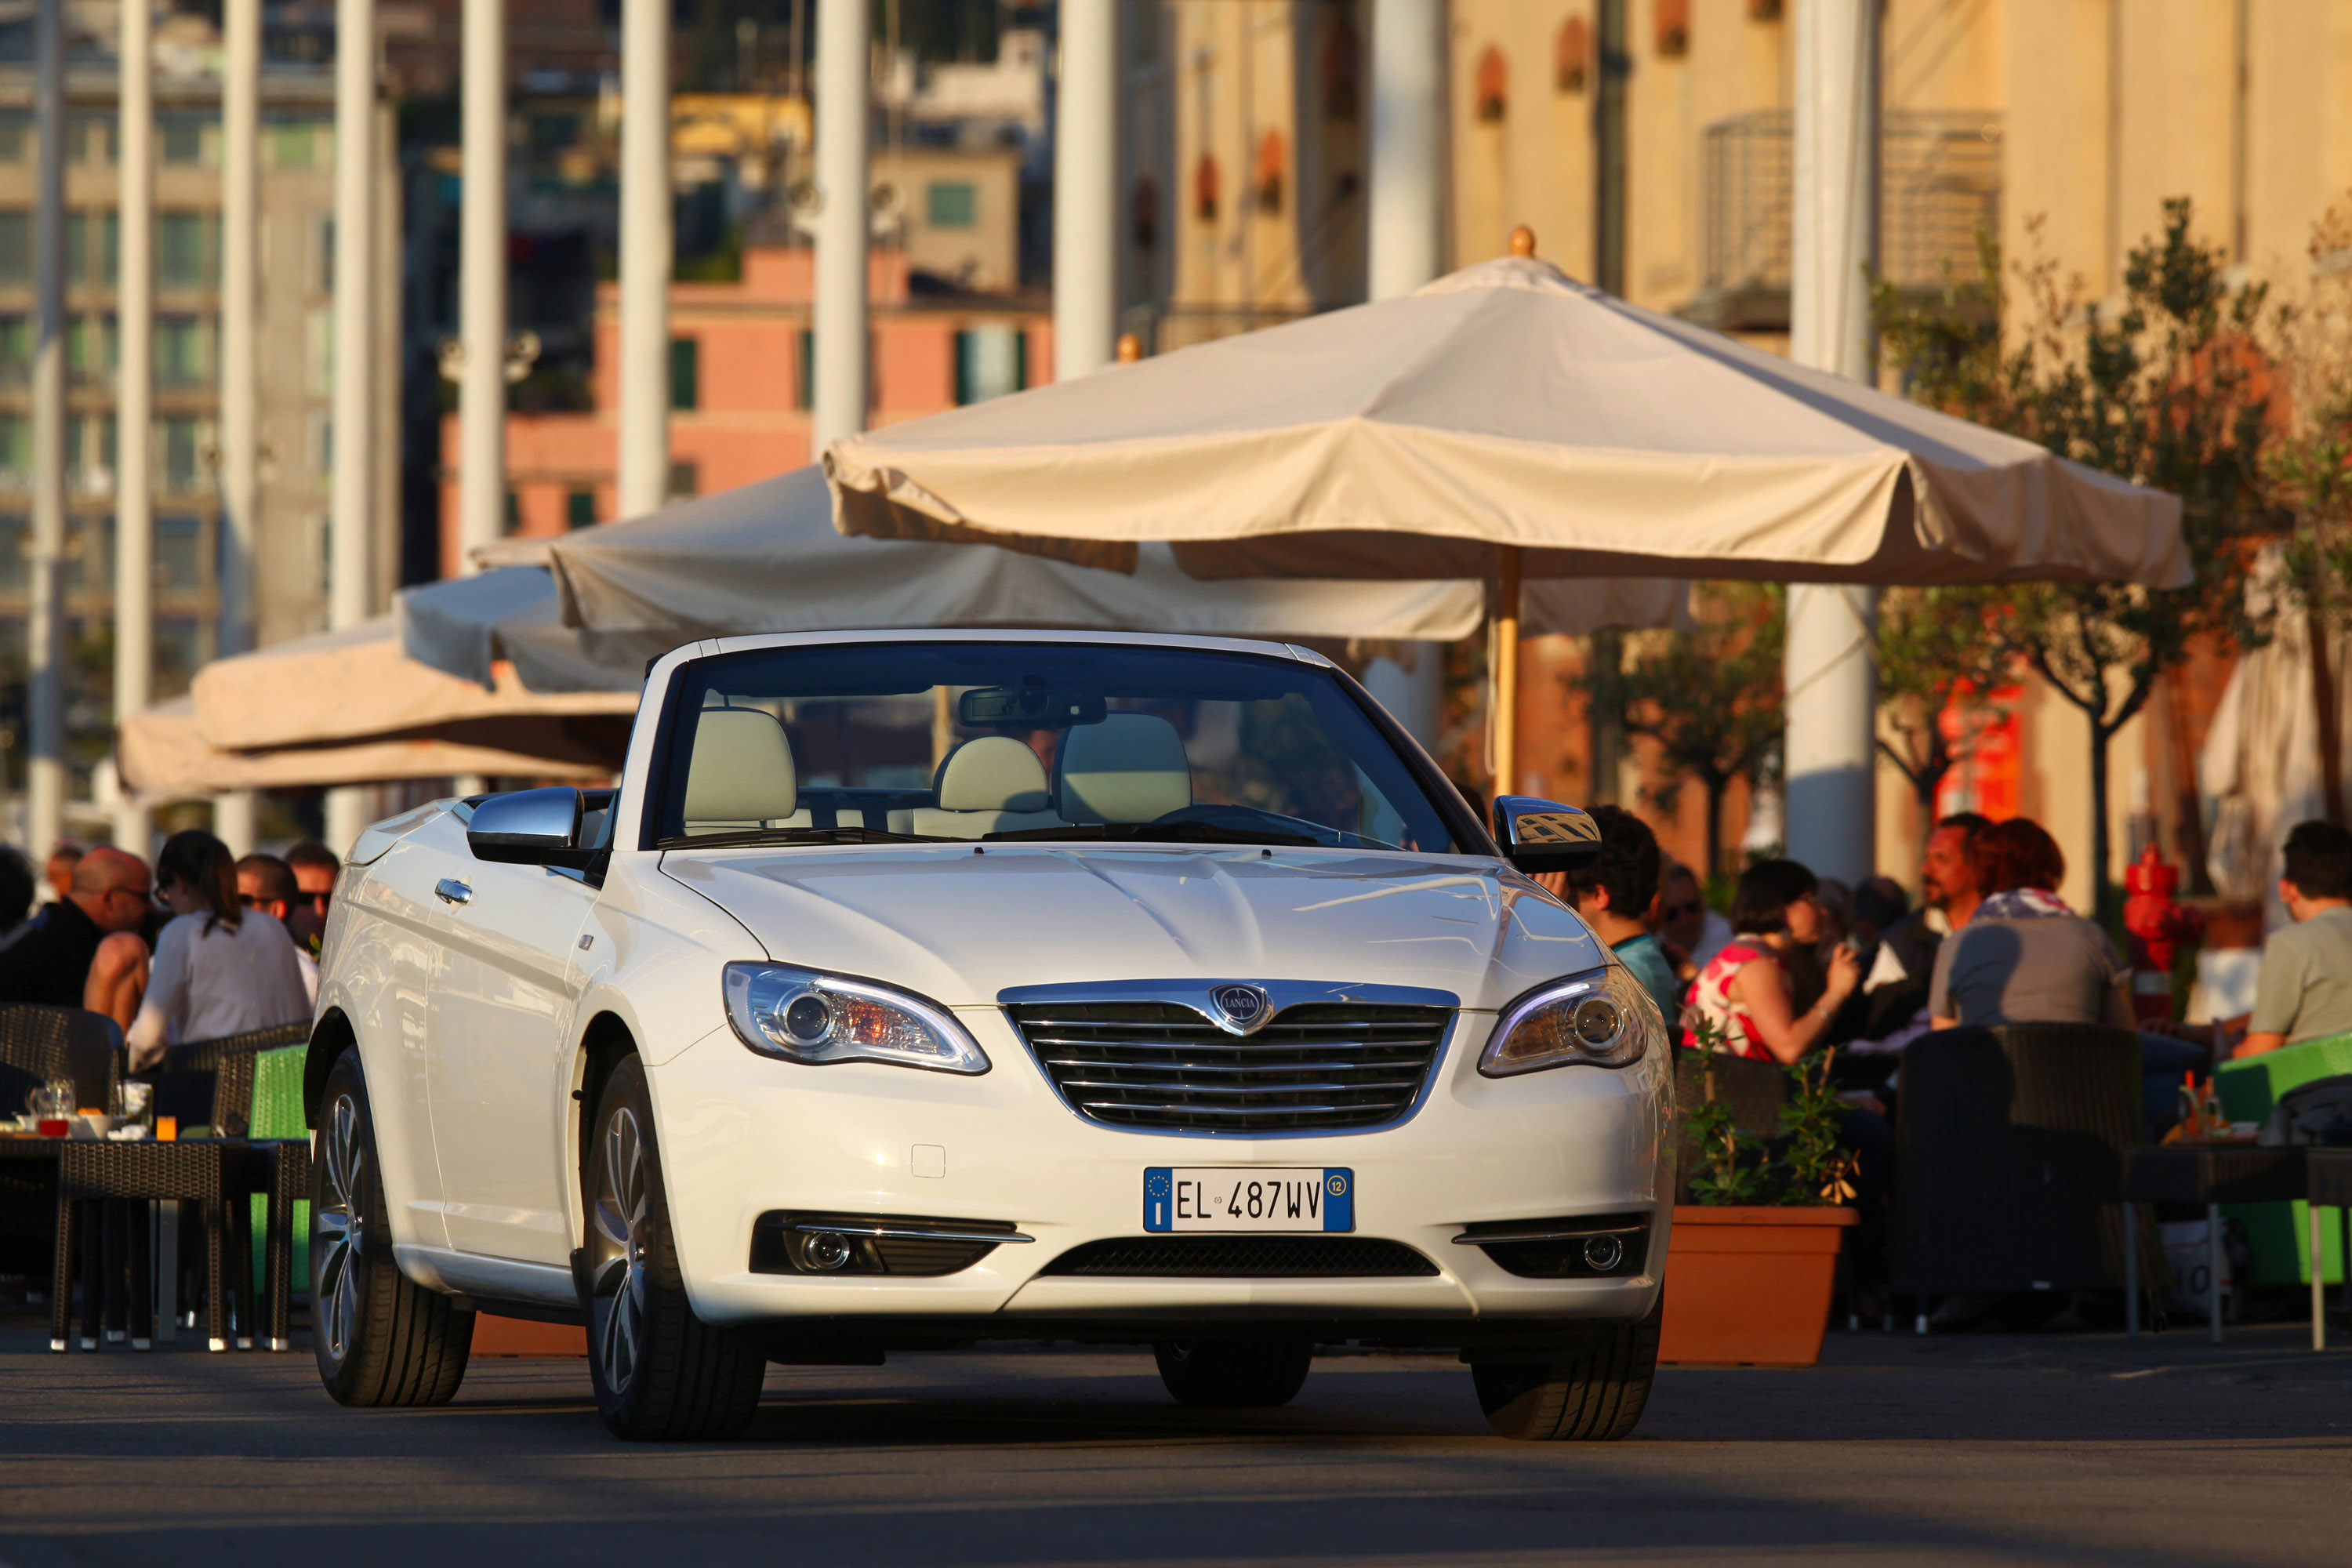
{"type": "Point", "coordinates": [1315, 1068]}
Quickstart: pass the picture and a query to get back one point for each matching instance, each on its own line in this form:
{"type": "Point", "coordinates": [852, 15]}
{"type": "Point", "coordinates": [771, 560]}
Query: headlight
{"type": "Point", "coordinates": [1603, 1018]}
{"type": "Point", "coordinates": [801, 1015]}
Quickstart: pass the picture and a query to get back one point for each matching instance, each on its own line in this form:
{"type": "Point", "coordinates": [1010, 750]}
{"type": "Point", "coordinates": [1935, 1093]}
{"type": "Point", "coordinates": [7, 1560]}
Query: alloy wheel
{"type": "Point", "coordinates": [339, 1227]}
{"type": "Point", "coordinates": [617, 1264]}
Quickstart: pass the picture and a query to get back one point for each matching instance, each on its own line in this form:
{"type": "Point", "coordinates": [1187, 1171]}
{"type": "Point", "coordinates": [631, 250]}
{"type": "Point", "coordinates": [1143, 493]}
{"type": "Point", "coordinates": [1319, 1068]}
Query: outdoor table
{"type": "Point", "coordinates": [282, 1170]}
{"type": "Point", "coordinates": [100, 1176]}
{"type": "Point", "coordinates": [2212, 1175]}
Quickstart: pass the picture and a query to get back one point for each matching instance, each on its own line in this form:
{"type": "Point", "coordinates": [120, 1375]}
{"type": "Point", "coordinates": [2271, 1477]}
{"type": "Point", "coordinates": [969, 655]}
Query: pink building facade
{"type": "Point", "coordinates": [740, 361]}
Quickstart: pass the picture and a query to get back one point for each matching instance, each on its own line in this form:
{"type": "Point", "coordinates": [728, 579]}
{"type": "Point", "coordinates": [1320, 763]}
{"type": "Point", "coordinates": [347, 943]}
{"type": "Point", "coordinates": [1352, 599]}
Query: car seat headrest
{"type": "Point", "coordinates": [1131, 767]}
{"type": "Point", "coordinates": [995, 773]}
{"type": "Point", "coordinates": [742, 768]}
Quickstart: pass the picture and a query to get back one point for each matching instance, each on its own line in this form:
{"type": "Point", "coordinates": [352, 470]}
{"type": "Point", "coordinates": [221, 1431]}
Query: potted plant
{"type": "Point", "coordinates": [1753, 1259]}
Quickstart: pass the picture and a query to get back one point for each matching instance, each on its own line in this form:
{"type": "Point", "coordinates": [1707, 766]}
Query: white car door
{"type": "Point", "coordinates": [385, 951]}
{"type": "Point", "coordinates": [499, 1057]}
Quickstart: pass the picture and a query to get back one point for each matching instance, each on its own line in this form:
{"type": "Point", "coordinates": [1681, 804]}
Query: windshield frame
{"type": "Point", "coordinates": [1461, 819]}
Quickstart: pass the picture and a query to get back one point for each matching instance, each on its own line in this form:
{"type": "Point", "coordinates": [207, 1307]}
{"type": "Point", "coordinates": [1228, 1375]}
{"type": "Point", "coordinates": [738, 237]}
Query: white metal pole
{"type": "Point", "coordinates": [646, 258]}
{"type": "Point", "coordinates": [353, 495]}
{"type": "Point", "coordinates": [1408, 166]}
{"type": "Point", "coordinates": [844, 36]}
{"type": "Point", "coordinates": [1830, 667]}
{"type": "Point", "coordinates": [134, 403]}
{"type": "Point", "coordinates": [482, 278]}
{"type": "Point", "coordinates": [1406, 222]}
{"type": "Point", "coordinates": [1086, 189]}
{"type": "Point", "coordinates": [234, 814]}
{"type": "Point", "coordinates": [45, 770]}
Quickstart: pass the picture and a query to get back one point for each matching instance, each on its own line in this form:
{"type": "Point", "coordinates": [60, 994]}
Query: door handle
{"type": "Point", "coordinates": [450, 890]}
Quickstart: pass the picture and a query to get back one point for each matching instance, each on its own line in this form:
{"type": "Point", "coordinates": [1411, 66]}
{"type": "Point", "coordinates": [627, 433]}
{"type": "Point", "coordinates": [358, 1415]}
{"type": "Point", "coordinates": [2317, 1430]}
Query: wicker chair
{"type": "Point", "coordinates": [2009, 1159]}
{"type": "Point", "coordinates": [210, 1082]}
{"type": "Point", "coordinates": [38, 1043]}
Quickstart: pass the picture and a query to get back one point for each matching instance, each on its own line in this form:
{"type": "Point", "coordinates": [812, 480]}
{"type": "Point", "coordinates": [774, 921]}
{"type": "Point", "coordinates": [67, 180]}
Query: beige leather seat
{"type": "Point", "coordinates": [994, 784]}
{"type": "Point", "coordinates": [742, 775]}
{"type": "Point", "coordinates": [1131, 767]}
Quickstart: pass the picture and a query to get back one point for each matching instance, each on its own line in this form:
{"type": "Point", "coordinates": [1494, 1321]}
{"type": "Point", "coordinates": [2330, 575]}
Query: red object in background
{"type": "Point", "coordinates": [2159, 923]}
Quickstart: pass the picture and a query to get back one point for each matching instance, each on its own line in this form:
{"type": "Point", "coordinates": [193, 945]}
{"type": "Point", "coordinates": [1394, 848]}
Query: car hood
{"type": "Point", "coordinates": [961, 926]}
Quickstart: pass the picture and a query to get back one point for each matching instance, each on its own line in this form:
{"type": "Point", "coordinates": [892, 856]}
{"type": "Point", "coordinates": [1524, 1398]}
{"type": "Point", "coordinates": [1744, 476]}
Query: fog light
{"type": "Point", "coordinates": [824, 1251]}
{"type": "Point", "coordinates": [1604, 1253]}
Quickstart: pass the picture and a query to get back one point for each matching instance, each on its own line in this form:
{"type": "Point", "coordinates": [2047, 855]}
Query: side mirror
{"type": "Point", "coordinates": [530, 827]}
{"type": "Point", "coordinates": [1545, 836]}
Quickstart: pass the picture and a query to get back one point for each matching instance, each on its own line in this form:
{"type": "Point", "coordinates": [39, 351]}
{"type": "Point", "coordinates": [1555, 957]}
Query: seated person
{"type": "Point", "coordinates": [2305, 989]}
{"type": "Point", "coordinates": [1744, 999]}
{"type": "Point", "coordinates": [1690, 932]}
{"type": "Point", "coordinates": [265, 882]}
{"type": "Point", "coordinates": [50, 962]}
{"type": "Point", "coordinates": [1615, 895]}
{"type": "Point", "coordinates": [2023, 957]}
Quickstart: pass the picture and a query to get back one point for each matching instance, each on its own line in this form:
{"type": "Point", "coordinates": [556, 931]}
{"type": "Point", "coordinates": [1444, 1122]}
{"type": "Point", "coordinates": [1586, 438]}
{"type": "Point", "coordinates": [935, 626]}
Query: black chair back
{"type": "Point", "coordinates": [1755, 1091]}
{"type": "Point", "coordinates": [39, 1043]}
{"type": "Point", "coordinates": [210, 1082]}
{"type": "Point", "coordinates": [2009, 1158]}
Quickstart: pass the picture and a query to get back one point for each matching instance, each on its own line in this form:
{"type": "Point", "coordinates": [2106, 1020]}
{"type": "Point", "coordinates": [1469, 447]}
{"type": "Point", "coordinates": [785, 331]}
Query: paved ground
{"type": "Point", "coordinates": [2046, 1449]}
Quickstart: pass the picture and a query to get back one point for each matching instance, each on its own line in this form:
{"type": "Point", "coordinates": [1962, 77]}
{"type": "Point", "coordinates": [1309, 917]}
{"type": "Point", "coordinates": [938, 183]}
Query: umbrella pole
{"type": "Point", "coordinates": [1502, 638]}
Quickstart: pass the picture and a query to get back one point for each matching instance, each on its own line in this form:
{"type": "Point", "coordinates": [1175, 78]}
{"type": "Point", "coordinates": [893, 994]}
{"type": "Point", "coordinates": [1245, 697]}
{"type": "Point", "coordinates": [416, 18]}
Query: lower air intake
{"type": "Point", "coordinates": [1245, 1258]}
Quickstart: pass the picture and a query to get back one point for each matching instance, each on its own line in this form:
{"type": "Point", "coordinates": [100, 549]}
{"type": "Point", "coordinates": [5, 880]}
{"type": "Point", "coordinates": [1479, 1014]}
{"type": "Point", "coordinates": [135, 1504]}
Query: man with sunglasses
{"type": "Point", "coordinates": [265, 883]}
{"type": "Point", "coordinates": [50, 963]}
{"type": "Point", "coordinates": [315, 869]}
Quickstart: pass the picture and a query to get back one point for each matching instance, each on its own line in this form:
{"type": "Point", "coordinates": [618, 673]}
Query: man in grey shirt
{"type": "Point", "coordinates": [2305, 989]}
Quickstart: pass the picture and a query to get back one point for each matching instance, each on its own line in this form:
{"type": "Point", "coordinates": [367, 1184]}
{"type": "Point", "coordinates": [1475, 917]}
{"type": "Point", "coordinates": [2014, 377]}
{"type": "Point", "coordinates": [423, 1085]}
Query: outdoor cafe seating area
{"type": "Point", "coordinates": [2021, 1166]}
{"type": "Point", "coordinates": [143, 1204]}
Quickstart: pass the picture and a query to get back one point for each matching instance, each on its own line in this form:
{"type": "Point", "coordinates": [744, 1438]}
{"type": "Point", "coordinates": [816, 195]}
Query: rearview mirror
{"type": "Point", "coordinates": [1545, 836]}
{"type": "Point", "coordinates": [530, 827]}
{"type": "Point", "coordinates": [1032, 705]}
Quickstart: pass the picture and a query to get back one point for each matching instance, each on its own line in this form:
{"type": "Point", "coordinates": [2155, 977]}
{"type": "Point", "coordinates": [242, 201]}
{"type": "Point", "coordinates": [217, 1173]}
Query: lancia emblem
{"type": "Point", "coordinates": [1241, 1009]}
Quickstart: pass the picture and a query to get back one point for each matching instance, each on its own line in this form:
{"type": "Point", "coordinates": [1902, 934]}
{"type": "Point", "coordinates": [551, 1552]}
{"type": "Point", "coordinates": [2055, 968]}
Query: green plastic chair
{"type": "Point", "coordinates": [277, 1113]}
{"type": "Point", "coordinates": [2280, 1233]}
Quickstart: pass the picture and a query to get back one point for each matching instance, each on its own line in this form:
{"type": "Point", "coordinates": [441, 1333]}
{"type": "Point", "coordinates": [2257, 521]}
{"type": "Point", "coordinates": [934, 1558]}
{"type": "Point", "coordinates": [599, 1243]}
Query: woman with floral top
{"type": "Point", "coordinates": [1744, 1001]}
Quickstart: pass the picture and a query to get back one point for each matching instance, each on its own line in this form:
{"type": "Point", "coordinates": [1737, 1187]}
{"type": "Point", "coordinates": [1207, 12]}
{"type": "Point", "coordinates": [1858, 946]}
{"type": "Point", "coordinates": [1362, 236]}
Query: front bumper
{"type": "Point", "coordinates": [741, 1135]}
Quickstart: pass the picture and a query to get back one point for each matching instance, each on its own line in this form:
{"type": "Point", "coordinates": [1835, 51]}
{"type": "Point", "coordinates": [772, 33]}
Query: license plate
{"type": "Point", "coordinates": [1247, 1199]}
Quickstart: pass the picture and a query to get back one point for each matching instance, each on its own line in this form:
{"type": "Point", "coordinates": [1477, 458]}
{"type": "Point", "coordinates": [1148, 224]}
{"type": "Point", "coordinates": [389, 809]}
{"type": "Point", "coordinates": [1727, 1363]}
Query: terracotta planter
{"type": "Point", "coordinates": [1750, 1287]}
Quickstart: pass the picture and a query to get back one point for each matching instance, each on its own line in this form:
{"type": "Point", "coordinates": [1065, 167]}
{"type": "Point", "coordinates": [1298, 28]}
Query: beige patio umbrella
{"type": "Point", "coordinates": [347, 706]}
{"type": "Point", "coordinates": [342, 685]}
{"type": "Point", "coordinates": [163, 755]}
{"type": "Point", "coordinates": [766, 557]}
{"type": "Point", "coordinates": [1504, 420]}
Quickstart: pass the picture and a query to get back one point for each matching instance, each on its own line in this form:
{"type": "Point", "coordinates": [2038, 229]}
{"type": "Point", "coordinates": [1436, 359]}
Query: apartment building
{"type": "Point", "coordinates": [296, 351]}
{"type": "Point", "coordinates": [740, 372]}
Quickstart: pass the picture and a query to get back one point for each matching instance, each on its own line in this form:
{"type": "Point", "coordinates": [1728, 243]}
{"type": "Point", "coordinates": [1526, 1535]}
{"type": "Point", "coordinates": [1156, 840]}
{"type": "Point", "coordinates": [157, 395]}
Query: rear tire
{"type": "Point", "coordinates": [380, 1339]}
{"type": "Point", "coordinates": [662, 1374]}
{"type": "Point", "coordinates": [1590, 1389]}
{"type": "Point", "coordinates": [1233, 1374]}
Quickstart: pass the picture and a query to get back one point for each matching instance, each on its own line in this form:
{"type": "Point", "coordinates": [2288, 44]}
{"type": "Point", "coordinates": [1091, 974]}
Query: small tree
{"type": "Point", "coordinates": [1710, 697]}
{"type": "Point", "coordinates": [2167, 391]}
{"type": "Point", "coordinates": [1936, 656]}
{"type": "Point", "coordinates": [2309, 469]}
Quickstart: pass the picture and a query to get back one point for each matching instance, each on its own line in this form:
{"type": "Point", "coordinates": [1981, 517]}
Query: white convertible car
{"type": "Point", "coordinates": [919, 988]}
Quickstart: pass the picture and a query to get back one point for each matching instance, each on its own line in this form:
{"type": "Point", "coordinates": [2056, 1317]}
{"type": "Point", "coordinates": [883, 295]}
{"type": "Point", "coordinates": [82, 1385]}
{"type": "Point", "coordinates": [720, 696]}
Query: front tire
{"type": "Point", "coordinates": [382, 1339]}
{"type": "Point", "coordinates": [1233, 1374]}
{"type": "Point", "coordinates": [662, 1374]}
{"type": "Point", "coordinates": [1589, 1389]}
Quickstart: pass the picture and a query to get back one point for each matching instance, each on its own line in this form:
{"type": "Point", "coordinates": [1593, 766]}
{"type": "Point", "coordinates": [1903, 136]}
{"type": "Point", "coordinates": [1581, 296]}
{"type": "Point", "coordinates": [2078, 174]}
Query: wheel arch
{"type": "Point", "coordinates": [604, 1045]}
{"type": "Point", "coordinates": [330, 1038]}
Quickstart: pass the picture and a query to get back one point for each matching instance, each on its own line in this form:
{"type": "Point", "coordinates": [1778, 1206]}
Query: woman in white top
{"type": "Point", "coordinates": [220, 968]}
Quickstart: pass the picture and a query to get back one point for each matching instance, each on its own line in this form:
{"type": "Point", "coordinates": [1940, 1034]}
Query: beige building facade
{"type": "Point", "coordinates": [1646, 143]}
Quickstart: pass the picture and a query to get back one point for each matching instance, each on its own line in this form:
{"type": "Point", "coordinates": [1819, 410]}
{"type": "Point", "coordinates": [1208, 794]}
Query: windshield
{"type": "Point", "coordinates": [1012, 742]}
